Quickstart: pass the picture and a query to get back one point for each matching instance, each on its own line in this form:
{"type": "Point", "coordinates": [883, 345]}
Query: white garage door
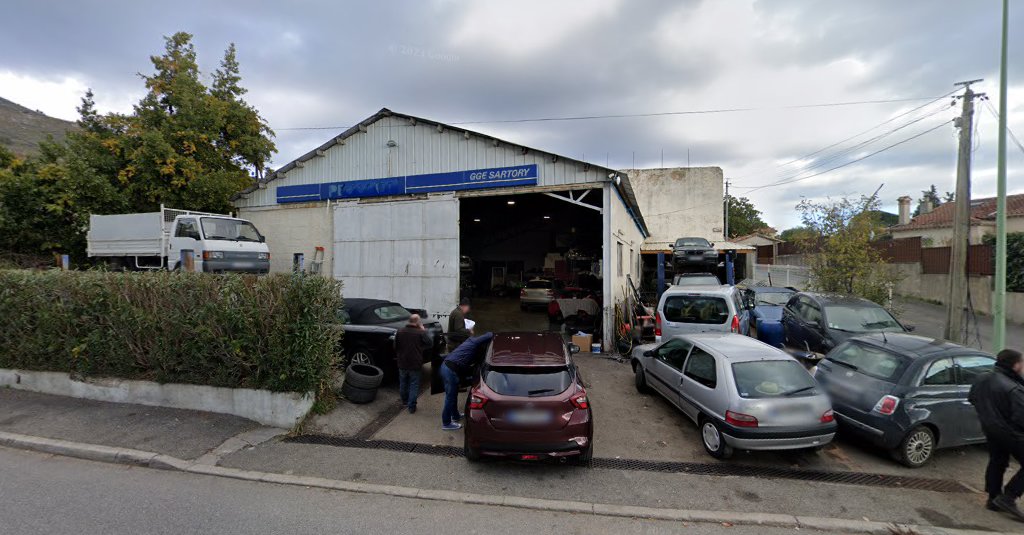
{"type": "Point", "coordinates": [404, 251]}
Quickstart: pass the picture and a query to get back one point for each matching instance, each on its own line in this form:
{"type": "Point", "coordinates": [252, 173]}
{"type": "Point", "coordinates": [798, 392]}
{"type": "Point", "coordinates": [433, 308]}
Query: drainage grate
{"type": "Point", "coordinates": [672, 467]}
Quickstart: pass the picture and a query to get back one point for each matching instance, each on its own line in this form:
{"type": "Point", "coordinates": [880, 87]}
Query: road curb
{"type": "Point", "coordinates": [126, 456]}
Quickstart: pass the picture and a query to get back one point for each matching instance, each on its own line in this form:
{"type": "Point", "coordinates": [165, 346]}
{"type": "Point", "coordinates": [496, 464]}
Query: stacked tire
{"type": "Point", "coordinates": [361, 383]}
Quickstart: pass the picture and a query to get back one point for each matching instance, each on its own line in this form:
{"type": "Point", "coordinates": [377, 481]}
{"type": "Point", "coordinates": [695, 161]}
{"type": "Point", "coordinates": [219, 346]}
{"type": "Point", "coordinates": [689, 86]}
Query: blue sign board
{"type": "Point", "coordinates": [498, 177]}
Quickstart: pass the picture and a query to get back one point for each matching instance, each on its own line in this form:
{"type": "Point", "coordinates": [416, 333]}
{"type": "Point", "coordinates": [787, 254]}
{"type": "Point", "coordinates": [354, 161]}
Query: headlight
{"type": "Point", "coordinates": [212, 255]}
{"type": "Point", "coordinates": [263, 256]}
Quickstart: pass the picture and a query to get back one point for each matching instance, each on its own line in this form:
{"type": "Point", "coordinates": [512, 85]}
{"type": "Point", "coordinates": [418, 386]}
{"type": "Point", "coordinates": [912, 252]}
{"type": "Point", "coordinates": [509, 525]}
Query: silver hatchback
{"type": "Point", "coordinates": [742, 393]}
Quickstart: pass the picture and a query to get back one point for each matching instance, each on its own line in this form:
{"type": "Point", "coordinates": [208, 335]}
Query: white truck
{"type": "Point", "coordinates": [163, 240]}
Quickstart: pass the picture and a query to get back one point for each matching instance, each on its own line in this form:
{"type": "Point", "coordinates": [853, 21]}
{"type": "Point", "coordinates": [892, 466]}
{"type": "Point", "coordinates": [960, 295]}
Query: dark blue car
{"type": "Point", "coordinates": [766, 316]}
{"type": "Point", "coordinates": [817, 323]}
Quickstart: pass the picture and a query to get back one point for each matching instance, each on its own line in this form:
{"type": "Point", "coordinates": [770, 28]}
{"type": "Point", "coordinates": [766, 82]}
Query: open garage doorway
{"type": "Point", "coordinates": [546, 243]}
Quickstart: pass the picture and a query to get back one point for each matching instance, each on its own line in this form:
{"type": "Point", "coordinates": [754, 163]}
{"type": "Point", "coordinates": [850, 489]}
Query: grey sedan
{"type": "Point", "coordinates": [742, 393]}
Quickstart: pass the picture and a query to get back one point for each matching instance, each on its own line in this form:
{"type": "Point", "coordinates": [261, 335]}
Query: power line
{"type": "Point", "coordinates": [1013, 136]}
{"type": "Point", "coordinates": [840, 142]}
{"type": "Point", "coordinates": [851, 162]}
{"type": "Point", "coordinates": [652, 114]}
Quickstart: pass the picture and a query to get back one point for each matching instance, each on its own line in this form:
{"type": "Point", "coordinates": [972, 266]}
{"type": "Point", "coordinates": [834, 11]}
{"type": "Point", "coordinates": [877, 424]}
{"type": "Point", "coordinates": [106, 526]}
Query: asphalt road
{"type": "Point", "coordinates": [53, 495]}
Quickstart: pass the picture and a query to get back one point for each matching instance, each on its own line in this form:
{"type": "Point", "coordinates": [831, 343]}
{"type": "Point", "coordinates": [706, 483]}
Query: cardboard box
{"type": "Point", "coordinates": [583, 341]}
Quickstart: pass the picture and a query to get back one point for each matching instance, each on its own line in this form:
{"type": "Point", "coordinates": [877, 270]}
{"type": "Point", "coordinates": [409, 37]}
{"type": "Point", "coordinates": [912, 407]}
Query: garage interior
{"type": "Point", "coordinates": [507, 240]}
{"type": "Point", "coordinates": [649, 266]}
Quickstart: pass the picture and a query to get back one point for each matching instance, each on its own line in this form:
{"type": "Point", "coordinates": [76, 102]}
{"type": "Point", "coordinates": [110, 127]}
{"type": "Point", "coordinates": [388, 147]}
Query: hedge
{"type": "Point", "coordinates": [276, 332]}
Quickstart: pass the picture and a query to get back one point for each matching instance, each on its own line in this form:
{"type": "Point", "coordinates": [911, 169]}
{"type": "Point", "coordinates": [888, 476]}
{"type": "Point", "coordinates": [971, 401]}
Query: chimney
{"type": "Point", "coordinates": [926, 206]}
{"type": "Point", "coordinates": [904, 209]}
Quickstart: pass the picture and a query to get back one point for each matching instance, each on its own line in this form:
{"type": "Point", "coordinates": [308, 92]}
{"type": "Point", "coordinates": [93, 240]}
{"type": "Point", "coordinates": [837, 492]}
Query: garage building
{"type": "Point", "coordinates": [421, 212]}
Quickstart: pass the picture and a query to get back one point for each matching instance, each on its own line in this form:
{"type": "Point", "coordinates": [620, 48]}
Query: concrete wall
{"type": "Point", "coordinates": [277, 409]}
{"type": "Point", "coordinates": [681, 201]}
{"type": "Point", "coordinates": [935, 287]}
{"type": "Point", "coordinates": [294, 228]}
{"type": "Point", "coordinates": [625, 237]}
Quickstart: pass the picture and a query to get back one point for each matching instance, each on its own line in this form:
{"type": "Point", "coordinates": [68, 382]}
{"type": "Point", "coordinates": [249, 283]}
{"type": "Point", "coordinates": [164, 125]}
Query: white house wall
{"type": "Point", "coordinates": [291, 229]}
{"type": "Point", "coordinates": [679, 202]}
{"type": "Point", "coordinates": [419, 149]}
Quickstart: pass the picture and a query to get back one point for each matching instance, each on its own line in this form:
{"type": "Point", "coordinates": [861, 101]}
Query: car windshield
{"type": "Point", "coordinates": [696, 309]}
{"type": "Point", "coordinates": [391, 313]}
{"type": "Point", "coordinates": [539, 285]}
{"type": "Point", "coordinates": [870, 361]}
{"type": "Point", "coordinates": [219, 228]}
{"type": "Point", "coordinates": [527, 382]}
{"type": "Point", "coordinates": [772, 298]}
{"type": "Point", "coordinates": [772, 378]}
{"type": "Point", "coordinates": [861, 318]}
{"type": "Point", "coordinates": [704, 280]}
{"type": "Point", "coordinates": [696, 242]}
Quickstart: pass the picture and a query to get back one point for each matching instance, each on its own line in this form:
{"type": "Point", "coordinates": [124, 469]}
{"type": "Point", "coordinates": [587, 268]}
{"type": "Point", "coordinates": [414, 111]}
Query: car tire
{"type": "Point", "coordinates": [752, 331]}
{"type": "Point", "coordinates": [713, 440]}
{"type": "Point", "coordinates": [917, 448]}
{"type": "Point", "coordinates": [523, 307]}
{"type": "Point", "coordinates": [584, 458]}
{"type": "Point", "coordinates": [472, 454]}
{"type": "Point", "coordinates": [365, 376]}
{"type": "Point", "coordinates": [640, 380]}
{"type": "Point", "coordinates": [358, 395]}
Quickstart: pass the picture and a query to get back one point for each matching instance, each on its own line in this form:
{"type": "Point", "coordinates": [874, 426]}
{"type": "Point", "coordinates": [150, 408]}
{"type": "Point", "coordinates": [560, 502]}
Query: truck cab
{"type": "Point", "coordinates": [218, 244]}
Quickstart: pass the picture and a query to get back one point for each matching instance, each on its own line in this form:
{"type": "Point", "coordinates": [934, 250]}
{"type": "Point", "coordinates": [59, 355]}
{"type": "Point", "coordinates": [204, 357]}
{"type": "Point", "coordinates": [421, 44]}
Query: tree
{"type": "Point", "coordinates": [932, 194]}
{"type": "Point", "coordinates": [796, 234]}
{"type": "Point", "coordinates": [743, 217]}
{"type": "Point", "coordinates": [845, 262]}
{"type": "Point", "coordinates": [184, 145]}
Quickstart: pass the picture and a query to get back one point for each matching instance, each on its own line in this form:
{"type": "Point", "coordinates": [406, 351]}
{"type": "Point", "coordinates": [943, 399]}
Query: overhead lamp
{"type": "Point", "coordinates": [547, 217]}
{"type": "Point", "coordinates": [477, 220]}
{"type": "Point", "coordinates": [510, 203]}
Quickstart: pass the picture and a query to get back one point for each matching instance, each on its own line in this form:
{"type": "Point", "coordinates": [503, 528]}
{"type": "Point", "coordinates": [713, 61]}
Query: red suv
{"type": "Point", "coordinates": [528, 402]}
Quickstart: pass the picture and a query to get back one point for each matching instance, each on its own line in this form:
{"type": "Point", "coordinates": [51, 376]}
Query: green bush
{"type": "Point", "coordinates": [277, 332]}
{"type": "Point", "coordinates": [1014, 259]}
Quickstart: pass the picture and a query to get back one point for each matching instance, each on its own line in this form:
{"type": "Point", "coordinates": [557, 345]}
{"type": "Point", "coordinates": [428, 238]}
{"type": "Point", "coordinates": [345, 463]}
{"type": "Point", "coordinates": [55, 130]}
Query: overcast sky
{"type": "Point", "coordinates": [335, 63]}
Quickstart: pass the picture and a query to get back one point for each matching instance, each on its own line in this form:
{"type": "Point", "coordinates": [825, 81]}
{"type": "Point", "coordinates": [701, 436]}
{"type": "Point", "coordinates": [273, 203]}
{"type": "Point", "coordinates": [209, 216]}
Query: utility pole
{"type": "Point", "coordinates": [999, 294]}
{"type": "Point", "coordinates": [726, 233]}
{"type": "Point", "coordinates": [954, 331]}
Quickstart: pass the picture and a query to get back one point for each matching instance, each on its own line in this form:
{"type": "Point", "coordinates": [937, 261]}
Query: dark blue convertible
{"type": "Point", "coordinates": [766, 317]}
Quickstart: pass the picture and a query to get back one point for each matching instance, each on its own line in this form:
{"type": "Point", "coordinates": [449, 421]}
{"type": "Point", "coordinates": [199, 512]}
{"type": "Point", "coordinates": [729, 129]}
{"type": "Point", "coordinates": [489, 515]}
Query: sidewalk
{"type": "Point", "coordinates": [231, 447]}
{"type": "Point", "coordinates": [929, 319]}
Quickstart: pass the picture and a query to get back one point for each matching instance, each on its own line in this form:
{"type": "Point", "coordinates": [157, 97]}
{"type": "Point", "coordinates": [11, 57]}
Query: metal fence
{"type": "Point", "coordinates": [779, 275]}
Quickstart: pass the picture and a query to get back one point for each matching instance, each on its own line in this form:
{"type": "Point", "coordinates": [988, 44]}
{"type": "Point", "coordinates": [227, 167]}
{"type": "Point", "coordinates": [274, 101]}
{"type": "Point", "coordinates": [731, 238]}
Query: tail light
{"type": "Point", "coordinates": [657, 324]}
{"type": "Point", "coordinates": [522, 293]}
{"type": "Point", "coordinates": [735, 324]}
{"type": "Point", "coordinates": [551, 293]}
{"type": "Point", "coordinates": [477, 401]}
{"type": "Point", "coordinates": [887, 405]}
{"type": "Point", "coordinates": [580, 401]}
{"type": "Point", "coordinates": [828, 417]}
{"type": "Point", "coordinates": [740, 419]}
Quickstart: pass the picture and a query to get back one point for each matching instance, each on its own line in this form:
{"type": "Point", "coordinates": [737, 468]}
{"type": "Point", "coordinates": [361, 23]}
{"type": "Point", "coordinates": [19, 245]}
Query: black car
{"type": "Point", "coordinates": [370, 326]}
{"type": "Point", "coordinates": [816, 323]}
{"type": "Point", "coordinates": [905, 393]}
{"type": "Point", "coordinates": [690, 253]}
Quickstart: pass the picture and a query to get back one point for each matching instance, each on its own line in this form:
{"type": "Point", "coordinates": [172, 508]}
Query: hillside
{"type": "Point", "coordinates": [21, 129]}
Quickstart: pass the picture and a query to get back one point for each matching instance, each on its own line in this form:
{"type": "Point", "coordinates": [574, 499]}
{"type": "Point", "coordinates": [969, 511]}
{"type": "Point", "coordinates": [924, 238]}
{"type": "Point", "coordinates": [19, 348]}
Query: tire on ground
{"type": "Point", "coordinates": [364, 376]}
{"type": "Point", "coordinates": [358, 395]}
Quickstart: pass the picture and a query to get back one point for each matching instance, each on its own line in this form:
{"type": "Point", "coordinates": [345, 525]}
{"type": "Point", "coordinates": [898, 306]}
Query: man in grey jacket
{"type": "Point", "coordinates": [998, 397]}
{"type": "Point", "coordinates": [457, 331]}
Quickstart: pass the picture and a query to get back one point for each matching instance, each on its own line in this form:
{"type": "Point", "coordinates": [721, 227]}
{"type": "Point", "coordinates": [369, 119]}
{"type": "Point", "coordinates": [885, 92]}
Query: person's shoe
{"type": "Point", "coordinates": [991, 506]}
{"type": "Point", "coordinates": [454, 426]}
{"type": "Point", "coordinates": [1008, 505]}
{"type": "Point", "coordinates": [457, 418]}
{"type": "Point", "coordinates": [412, 409]}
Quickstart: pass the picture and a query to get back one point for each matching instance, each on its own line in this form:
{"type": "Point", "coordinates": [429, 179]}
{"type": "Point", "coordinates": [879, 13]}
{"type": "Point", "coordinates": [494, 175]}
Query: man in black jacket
{"type": "Point", "coordinates": [410, 343]}
{"type": "Point", "coordinates": [999, 399]}
{"type": "Point", "coordinates": [457, 331]}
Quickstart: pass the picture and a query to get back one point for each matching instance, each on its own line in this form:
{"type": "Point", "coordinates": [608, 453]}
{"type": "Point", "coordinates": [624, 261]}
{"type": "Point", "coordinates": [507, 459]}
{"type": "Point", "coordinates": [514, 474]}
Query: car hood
{"type": "Point", "coordinates": [768, 312]}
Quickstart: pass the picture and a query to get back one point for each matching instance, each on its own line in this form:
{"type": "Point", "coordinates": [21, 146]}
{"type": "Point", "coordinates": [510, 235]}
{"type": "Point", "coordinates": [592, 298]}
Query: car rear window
{"type": "Point", "coordinates": [870, 361]}
{"type": "Point", "coordinates": [708, 280]}
{"type": "Point", "coordinates": [539, 285]}
{"type": "Point", "coordinates": [696, 309]}
{"type": "Point", "coordinates": [772, 378]}
{"type": "Point", "coordinates": [391, 313]}
{"type": "Point", "coordinates": [527, 382]}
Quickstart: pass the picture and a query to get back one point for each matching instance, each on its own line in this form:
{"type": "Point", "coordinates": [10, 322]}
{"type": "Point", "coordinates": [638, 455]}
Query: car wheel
{"type": "Point", "coordinates": [523, 307]}
{"type": "Point", "coordinates": [753, 330]}
{"type": "Point", "coordinates": [640, 380]}
{"type": "Point", "coordinates": [585, 457]}
{"type": "Point", "coordinates": [359, 355]}
{"type": "Point", "coordinates": [917, 447]}
{"type": "Point", "coordinates": [472, 455]}
{"type": "Point", "coordinates": [713, 440]}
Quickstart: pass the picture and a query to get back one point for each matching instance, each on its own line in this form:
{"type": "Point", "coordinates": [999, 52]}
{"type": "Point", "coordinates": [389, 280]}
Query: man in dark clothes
{"type": "Point", "coordinates": [999, 399]}
{"type": "Point", "coordinates": [410, 343]}
{"type": "Point", "coordinates": [457, 331]}
{"type": "Point", "coordinates": [460, 363]}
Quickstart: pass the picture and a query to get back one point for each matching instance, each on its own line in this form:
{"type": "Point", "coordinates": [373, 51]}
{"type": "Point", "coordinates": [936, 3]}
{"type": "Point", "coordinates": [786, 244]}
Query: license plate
{"type": "Point", "coordinates": [696, 258]}
{"type": "Point", "coordinates": [528, 417]}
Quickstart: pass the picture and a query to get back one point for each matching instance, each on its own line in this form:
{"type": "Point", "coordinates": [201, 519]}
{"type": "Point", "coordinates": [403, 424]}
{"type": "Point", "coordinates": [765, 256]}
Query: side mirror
{"type": "Point", "coordinates": [573, 348]}
{"type": "Point", "coordinates": [263, 239]}
{"type": "Point", "coordinates": [649, 353]}
{"type": "Point", "coordinates": [910, 328]}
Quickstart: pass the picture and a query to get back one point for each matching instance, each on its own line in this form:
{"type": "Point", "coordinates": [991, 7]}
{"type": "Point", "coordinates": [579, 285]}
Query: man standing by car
{"type": "Point", "coordinates": [457, 331]}
{"type": "Point", "coordinates": [999, 399]}
{"type": "Point", "coordinates": [460, 363]}
{"type": "Point", "coordinates": [410, 343]}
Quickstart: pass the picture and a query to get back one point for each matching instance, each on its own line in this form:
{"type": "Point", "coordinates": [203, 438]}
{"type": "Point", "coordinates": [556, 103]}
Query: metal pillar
{"type": "Point", "coordinates": [661, 274]}
{"type": "Point", "coordinates": [730, 271]}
